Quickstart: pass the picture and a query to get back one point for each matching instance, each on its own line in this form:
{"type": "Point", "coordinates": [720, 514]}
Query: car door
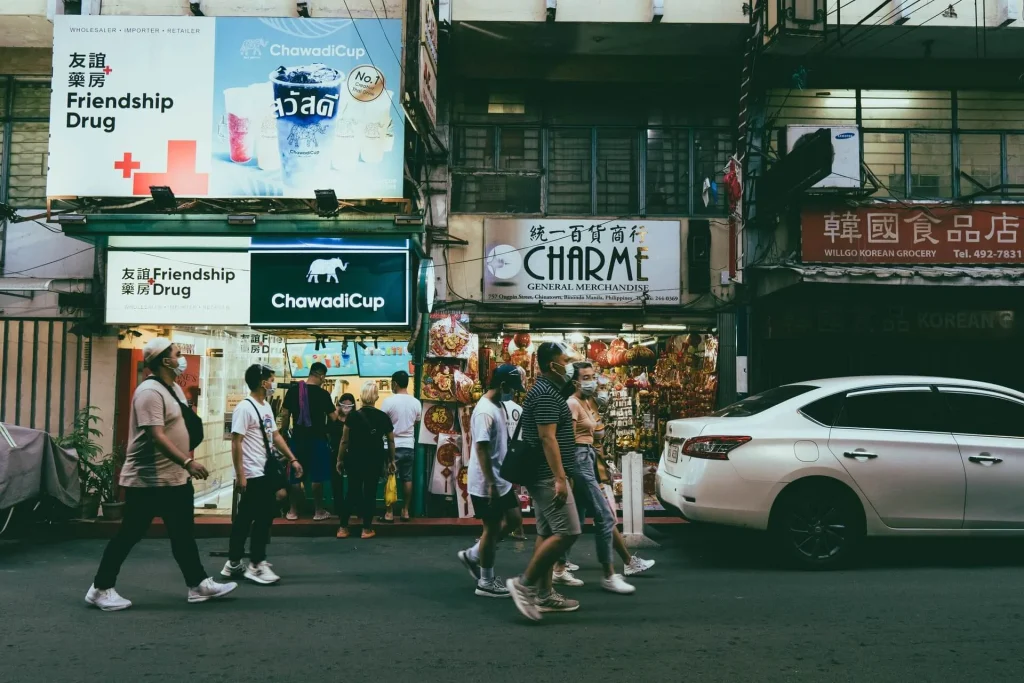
{"type": "Point", "coordinates": [892, 442]}
{"type": "Point", "coordinates": [989, 428]}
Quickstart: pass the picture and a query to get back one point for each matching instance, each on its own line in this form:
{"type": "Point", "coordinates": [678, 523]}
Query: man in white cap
{"type": "Point", "coordinates": [157, 479]}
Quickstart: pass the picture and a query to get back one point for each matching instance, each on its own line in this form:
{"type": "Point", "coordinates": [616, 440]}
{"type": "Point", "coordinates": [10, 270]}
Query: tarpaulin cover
{"type": "Point", "coordinates": [36, 465]}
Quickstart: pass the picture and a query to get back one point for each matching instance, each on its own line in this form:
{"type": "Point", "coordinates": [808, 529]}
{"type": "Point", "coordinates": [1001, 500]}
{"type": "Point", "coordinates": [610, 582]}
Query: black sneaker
{"type": "Point", "coordinates": [495, 588]}
{"type": "Point", "coordinates": [469, 564]}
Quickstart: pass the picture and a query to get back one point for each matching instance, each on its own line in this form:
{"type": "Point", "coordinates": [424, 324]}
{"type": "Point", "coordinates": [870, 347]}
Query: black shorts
{"type": "Point", "coordinates": [487, 510]}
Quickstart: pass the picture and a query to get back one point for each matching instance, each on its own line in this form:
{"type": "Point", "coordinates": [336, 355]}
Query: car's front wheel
{"type": "Point", "coordinates": [818, 525]}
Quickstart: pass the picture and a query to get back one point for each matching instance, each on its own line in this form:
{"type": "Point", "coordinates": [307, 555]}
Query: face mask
{"type": "Point", "coordinates": [506, 396]}
{"type": "Point", "coordinates": [272, 388]}
{"type": "Point", "coordinates": [567, 370]}
{"type": "Point", "coordinates": [588, 387]}
{"type": "Point", "coordinates": [180, 368]}
{"type": "Point", "coordinates": [602, 399]}
{"type": "Point", "coordinates": [346, 408]}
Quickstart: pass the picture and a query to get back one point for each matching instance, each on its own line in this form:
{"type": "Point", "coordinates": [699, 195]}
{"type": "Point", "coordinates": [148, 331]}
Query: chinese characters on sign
{"type": "Point", "coordinates": [582, 262]}
{"type": "Point", "coordinates": [981, 234]}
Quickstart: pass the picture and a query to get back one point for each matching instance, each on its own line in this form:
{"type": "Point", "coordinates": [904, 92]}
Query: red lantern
{"type": "Point", "coordinates": [595, 349]}
{"type": "Point", "coordinates": [619, 343]}
{"type": "Point", "coordinates": [522, 339]}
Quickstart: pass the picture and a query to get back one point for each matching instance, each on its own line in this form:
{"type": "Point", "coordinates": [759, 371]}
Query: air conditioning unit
{"type": "Point", "coordinates": [845, 147]}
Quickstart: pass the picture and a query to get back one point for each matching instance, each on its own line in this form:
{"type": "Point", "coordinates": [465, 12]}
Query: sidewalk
{"type": "Point", "coordinates": [219, 526]}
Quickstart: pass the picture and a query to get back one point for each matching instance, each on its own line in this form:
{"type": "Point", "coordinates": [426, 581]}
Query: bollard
{"type": "Point", "coordinates": [633, 502]}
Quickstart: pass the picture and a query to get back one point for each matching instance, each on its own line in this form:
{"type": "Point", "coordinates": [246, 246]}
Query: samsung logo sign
{"type": "Point", "coordinates": [844, 136]}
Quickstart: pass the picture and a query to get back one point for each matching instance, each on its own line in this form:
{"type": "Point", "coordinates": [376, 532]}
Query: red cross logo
{"type": "Point", "coordinates": [127, 165]}
{"type": "Point", "coordinates": [107, 70]}
{"type": "Point", "coordinates": [181, 174]}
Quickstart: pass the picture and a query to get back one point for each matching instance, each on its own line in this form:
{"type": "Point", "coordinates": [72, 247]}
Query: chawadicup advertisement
{"type": "Point", "coordinates": [226, 107]}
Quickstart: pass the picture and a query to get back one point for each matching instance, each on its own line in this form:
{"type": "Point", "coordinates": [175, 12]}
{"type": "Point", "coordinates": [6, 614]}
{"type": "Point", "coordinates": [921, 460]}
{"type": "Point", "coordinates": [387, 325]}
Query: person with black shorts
{"type": "Point", "coordinates": [494, 501]}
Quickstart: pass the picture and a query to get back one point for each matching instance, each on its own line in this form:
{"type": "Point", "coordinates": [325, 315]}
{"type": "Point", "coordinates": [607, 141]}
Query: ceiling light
{"type": "Point", "coordinates": [326, 203]}
{"type": "Point", "coordinates": [163, 198]}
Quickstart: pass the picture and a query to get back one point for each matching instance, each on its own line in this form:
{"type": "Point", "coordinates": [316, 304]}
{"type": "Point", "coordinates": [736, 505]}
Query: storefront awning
{"type": "Point", "coordinates": [782, 275]}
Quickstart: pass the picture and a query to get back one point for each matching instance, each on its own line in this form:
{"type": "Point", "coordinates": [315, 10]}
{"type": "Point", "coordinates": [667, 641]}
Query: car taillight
{"type": "Point", "coordinates": [713, 447]}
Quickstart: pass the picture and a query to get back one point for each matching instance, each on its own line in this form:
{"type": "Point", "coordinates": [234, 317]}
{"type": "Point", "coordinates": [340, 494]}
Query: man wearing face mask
{"type": "Point", "coordinates": [547, 427]}
{"type": "Point", "coordinates": [157, 479]}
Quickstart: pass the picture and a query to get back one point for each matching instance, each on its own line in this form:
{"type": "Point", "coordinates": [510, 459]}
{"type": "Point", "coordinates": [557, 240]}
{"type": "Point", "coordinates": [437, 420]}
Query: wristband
{"type": "Point", "coordinates": [188, 462]}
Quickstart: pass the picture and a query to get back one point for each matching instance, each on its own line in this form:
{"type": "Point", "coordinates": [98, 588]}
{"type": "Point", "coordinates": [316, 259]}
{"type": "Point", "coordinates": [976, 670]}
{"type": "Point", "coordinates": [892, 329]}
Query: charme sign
{"type": "Point", "coordinates": [582, 263]}
{"type": "Point", "coordinates": [330, 288]}
{"type": "Point", "coordinates": [171, 287]}
{"type": "Point", "coordinates": [226, 107]}
{"type": "Point", "coordinates": [977, 234]}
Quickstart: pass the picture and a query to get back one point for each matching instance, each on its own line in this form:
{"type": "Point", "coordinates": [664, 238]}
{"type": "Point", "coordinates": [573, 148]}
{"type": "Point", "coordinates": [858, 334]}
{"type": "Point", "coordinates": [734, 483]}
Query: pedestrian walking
{"type": "Point", "coordinates": [259, 475]}
{"type": "Point", "coordinates": [405, 411]}
{"type": "Point", "coordinates": [589, 429]}
{"type": "Point", "coordinates": [157, 480]}
{"type": "Point", "coordinates": [311, 408]}
{"type": "Point", "coordinates": [494, 502]}
{"type": "Point", "coordinates": [548, 431]}
{"type": "Point", "coordinates": [367, 445]}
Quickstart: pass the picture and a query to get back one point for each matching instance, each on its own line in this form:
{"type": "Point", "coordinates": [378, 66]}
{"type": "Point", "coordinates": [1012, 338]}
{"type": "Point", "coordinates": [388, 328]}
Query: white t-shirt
{"type": "Point", "coordinates": [488, 426]}
{"type": "Point", "coordinates": [245, 422]}
{"type": "Point", "coordinates": [513, 411]}
{"type": "Point", "coordinates": [404, 411]}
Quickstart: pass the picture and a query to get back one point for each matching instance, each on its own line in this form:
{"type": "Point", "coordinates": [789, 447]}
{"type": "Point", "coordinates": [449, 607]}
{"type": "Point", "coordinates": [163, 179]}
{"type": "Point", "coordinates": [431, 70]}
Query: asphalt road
{"type": "Point", "coordinates": [403, 610]}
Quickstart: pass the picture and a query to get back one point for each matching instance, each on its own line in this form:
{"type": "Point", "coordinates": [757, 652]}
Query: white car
{"type": "Point", "coordinates": [821, 464]}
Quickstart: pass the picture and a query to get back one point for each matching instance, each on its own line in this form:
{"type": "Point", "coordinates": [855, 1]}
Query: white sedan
{"type": "Point", "coordinates": [822, 464]}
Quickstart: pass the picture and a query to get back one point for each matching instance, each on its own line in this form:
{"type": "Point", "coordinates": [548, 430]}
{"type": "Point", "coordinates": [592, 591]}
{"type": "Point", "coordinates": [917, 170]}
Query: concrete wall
{"type": "Point", "coordinates": [463, 276]}
{"type": "Point", "coordinates": [600, 11]}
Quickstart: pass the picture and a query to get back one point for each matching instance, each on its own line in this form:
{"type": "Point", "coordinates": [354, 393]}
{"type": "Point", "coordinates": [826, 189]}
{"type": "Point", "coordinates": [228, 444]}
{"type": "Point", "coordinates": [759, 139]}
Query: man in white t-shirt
{"type": "Point", "coordinates": [405, 411]}
{"type": "Point", "coordinates": [494, 501]}
{"type": "Point", "coordinates": [254, 436]}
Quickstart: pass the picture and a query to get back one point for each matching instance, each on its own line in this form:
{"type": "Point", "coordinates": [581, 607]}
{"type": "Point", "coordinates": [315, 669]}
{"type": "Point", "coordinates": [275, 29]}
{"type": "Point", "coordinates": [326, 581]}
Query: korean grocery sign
{"type": "Point", "coordinates": [582, 262]}
{"type": "Point", "coordinates": [226, 107]}
{"type": "Point", "coordinates": [176, 287]}
{"type": "Point", "coordinates": [977, 234]}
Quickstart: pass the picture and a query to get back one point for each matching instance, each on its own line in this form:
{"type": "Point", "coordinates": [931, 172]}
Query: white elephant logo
{"type": "Point", "coordinates": [325, 266]}
{"type": "Point", "coordinates": [252, 48]}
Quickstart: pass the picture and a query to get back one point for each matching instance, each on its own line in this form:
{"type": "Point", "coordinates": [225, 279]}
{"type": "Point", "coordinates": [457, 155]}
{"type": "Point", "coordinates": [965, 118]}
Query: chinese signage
{"type": "Point", "coordinates": [172, 287]}
{"type": "Point", "coordinates": [977, 234]}
{"type": "Point", "coordinates": [331, 288]}
{"type": "Point", "coordinates": [862, 319]}
{"type": "Point", "coordinates": [582, 263]}
{"type": "Point", "coordinates": [428, 61]}
{"type": "Point", "coordinates": [226, 107]}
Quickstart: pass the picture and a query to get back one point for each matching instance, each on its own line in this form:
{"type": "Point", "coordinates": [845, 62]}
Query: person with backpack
{"type": "Point", "coordinates": [367, 443]}
{"type": "Point", "coordinates": [259, 475]}
{"type": "Point", "coordinates": [157, 480]}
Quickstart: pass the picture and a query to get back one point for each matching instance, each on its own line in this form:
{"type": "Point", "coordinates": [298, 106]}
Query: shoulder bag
{"type": "Point", "coordinates": [193, 423]}
{"type": "Point", "coordinates": [522, 459]}
{"type": "Point", "coordinates": [273, 468]}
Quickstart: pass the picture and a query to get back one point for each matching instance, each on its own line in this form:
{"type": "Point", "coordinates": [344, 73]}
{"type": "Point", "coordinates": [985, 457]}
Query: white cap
{"type": "Point", "coordinates": [154, 347]}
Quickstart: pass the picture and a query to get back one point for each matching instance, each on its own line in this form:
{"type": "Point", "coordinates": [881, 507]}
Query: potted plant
{"type": "Point", "coordinates": [106, 472]}
{"type": "Point", "coordinates": [81, 438]}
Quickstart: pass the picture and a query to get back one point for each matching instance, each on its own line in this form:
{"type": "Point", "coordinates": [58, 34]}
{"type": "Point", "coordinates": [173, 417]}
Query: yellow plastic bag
{"type": "Point", "coordinates": [391, 491]}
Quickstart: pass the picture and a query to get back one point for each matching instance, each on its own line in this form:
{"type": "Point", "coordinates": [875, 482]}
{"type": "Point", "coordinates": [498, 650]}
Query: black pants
{"type": "Point", "coordinates": [253, 519]}
{"type": "Point", "coordinates": [362, 493]}
{"type": "Point", "coordinates": [173, 504]}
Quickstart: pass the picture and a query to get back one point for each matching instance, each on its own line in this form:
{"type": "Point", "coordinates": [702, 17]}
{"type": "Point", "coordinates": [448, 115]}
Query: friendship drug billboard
{"type": "Point", "coordinates": [226, 107]}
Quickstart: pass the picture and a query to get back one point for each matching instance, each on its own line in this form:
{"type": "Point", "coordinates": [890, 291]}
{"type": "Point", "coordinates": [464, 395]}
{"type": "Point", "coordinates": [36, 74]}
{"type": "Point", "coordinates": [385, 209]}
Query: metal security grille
{"type": "Point", "coordinates": [45, 373]}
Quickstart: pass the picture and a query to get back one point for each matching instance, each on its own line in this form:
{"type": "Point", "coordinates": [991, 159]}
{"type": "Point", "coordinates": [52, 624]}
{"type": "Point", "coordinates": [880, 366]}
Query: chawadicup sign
{"type": "Point", "coordinates": [173, 287]}
{"type": "Point", "coordinates": [582, 263]}
{"type": "Point", "coordinates": [226, 107]}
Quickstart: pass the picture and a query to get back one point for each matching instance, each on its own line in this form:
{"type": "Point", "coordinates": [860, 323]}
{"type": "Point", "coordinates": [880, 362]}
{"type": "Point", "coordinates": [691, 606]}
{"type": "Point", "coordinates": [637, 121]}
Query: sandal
{"type": "Point", "coordinates": [321, 515]}
{"type": "Point", "coordinates": [368, 534]}
{"type": "Point", "coordinates": [291, 516]}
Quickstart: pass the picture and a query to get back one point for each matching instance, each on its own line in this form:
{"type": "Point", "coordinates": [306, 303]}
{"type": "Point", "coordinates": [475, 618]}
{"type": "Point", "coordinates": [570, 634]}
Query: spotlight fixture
{"type": "Point", "coordinates": [362, 344]}
{"type": "Point", "coordinates": [302, 8]}
{"type": "Point", "coordinates": [375, 343]}
{"type": "Point", "coordinates": [242, 219]}
{"type": "Point", "coordinates": [196, 8]}
{"type": "Point", "coordinates": [163, 198]}
{"type": "Point", "coordinates": [71, 219]}
{"type": "Point", "coordinates": [326, 203]}
{"type": "Point", "coordinates": [552, 9]}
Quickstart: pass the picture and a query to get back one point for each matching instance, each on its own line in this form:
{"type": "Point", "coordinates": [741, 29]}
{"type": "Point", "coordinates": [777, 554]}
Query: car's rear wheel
{"type": "Point", "coordinates": [818, 525]}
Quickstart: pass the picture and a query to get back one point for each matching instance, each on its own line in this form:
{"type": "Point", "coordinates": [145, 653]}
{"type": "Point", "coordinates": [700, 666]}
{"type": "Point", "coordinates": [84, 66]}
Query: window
{"type": "Point", "coordinates": [752, 405]}
{"type": "Point", "coordinates": [617, 186]}
{"type": "Point", "coordinates": [824, 410]}
{"type": "Point", "coordinates": [1015, 159]}
{"type": "Point", "coordinates": [26, 126]}
{"type": "Point", "coordinates": [903, 409]}
{"type": "Point", "coordinates": [984, 414]}
{"type": "Point", "coordinates": [980, 158]}
{"type": "Point", "coordinates": [668, 171]}
{"type": "Point", "coordinates": [931, 165]}
{"type": "Point", "coordinates": [906, 109]}
{"type": "Point", "coordinates": [884, 155]}
{"type": "Point", "coordinates": [569, 172]}
{"type": "Point", "coordinates": [824, 107]}
{"type": "Point", "coordinates": [495, 193]}
{"type": "Point", "coordinates": [980, 110]}
{"type": "Point", "coordinates": [712, 149]}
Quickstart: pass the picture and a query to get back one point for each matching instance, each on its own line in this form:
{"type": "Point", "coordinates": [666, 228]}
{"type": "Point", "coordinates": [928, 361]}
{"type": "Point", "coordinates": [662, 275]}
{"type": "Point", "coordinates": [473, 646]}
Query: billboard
{"type": "Point", "coordinates": [888, 233]}
{"type": "Point", "coordinates": [582, 262]}
{"type": "Point", "coordinates": [226, 107]}
{"type": "Point", "coordinates": [177, 287]}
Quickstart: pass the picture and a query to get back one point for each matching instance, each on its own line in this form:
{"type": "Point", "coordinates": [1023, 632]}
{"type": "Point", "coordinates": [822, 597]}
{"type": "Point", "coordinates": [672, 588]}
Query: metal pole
{"type": "Point", "coordinates": [49, 373]}
{"type": "Point", "coordinates": [35, 373]}
{"type": "Point", "coordinates": [419, 472]}
{"type": "Point", "coordinates": [63, 372]}
{"type": "Point", "coordinates": [17, 388]}
{"type": "Point", "coordinates": [3, 379]}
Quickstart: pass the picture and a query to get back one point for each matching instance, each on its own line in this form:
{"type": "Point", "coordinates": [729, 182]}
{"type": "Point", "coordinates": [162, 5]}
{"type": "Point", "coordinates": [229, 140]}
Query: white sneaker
{"type": "Point", "coordinates": [566, 579]}
{"type": "Point", "coordinates": [495, 588]}
{"type": "Point", "coordinates": [638, 565]}
{"type": "Point", "coordinates": [617, 584]}
{"type": "Point", "coordinates": [210, 589]}
{"type": "Point", "coordinates": [107, 600]}
{"type": "Point", "coordinates": [571, 566]}
{"type": "Point", "coordinates": [231, 571]}
{"type": "Point", "coordinates": [261, 573]}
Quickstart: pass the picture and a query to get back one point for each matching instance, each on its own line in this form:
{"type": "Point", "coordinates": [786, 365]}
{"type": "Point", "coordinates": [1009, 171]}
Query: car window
{"type": "Point", "coordinates": [758, 403]}
{"type": "Point", "coordinates": [824, 410]}
{"type": "Point", "coordinates": [905, 409]}
{"type": "Point", "coordinates": [984, 414]}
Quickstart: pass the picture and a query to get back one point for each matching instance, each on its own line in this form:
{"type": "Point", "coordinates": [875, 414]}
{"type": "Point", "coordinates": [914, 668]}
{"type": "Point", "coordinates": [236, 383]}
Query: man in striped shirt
{"type": "Point", "coordinates": [547, 425]}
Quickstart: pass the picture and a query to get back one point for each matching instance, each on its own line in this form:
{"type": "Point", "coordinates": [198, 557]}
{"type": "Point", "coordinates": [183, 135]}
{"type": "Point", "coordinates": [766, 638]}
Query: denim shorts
{"type": "Point", "coordinates": [316, 459]}
{"type": "Point", "coordinates": [404, 459]}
